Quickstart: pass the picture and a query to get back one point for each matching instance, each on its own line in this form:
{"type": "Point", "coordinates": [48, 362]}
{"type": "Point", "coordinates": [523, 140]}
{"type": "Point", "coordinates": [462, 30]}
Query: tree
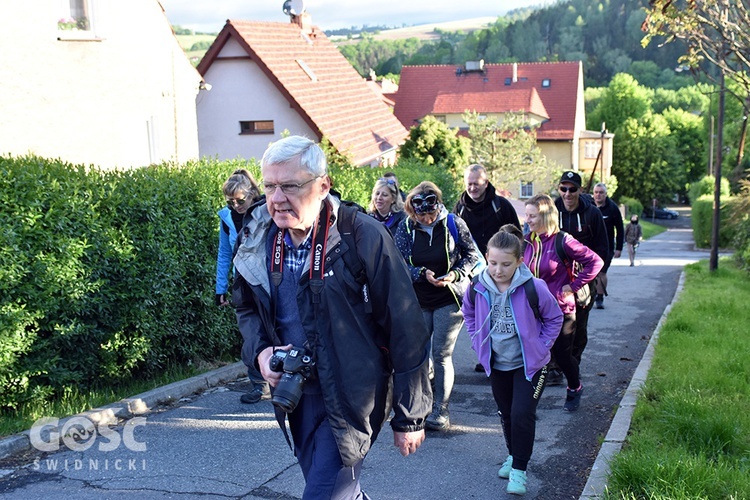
{"type": "Point", "coordinates": [506, 148]}
{"type": "Point", "coordinates": [624, 99]}
{"type": "Point", "coordinates": [713, 31]}
{"type": "Point", "coordinates": [434, 143]}
{"type": "Point", "coordinates": [690, 143]}
{"type": "Point", "coordinates": [646, 162]}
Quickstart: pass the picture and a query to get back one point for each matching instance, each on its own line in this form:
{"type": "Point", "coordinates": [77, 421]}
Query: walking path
{"type": "Point", "coordinates": [209, 445]}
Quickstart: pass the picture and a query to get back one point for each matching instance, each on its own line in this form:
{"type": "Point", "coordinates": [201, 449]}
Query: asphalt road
{"type": "Point", "coordinates": [209, 445]}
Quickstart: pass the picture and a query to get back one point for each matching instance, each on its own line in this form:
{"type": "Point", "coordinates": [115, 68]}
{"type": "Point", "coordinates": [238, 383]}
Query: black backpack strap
{"type": "Point", "coordinates": [532, 297]}
{"type": "Point", "coordinates": [347, 216]}
{"type": "Point", "coordinates": [497, 207]}
{"type": "Point", "coordinates": [472, 290]}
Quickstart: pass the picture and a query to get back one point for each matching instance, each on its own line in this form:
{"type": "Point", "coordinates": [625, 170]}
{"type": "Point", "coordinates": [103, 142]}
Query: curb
{"type": "Point", "coordinates": [618, 430]}
{"type": "Point", "coordinates": [126, 408]}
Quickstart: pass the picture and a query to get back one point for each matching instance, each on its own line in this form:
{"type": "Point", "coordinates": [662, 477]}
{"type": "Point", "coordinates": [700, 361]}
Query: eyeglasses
{"type": "Point", "coordinates": [388, 180]}
{"type": "Point", "coordinates": [236, 202]}
{"type": "Point", "coordinates": [571, 189]}
{"type": "Point", "coordinates": [287, 187]}
{"type": "Point", "coordinates": [420, 200]}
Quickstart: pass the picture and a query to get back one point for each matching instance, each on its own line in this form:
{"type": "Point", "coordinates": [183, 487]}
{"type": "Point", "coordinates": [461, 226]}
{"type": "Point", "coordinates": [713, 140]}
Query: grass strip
{"type": "Point", "coordinates": [690, 434]}
{"type": "Point", "coordinates": [73, 401]}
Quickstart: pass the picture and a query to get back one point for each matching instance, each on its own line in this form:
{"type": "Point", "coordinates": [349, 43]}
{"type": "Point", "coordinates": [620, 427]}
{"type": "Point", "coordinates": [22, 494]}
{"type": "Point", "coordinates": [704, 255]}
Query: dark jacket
{"type": "Point", "coordinates": [613, 223]}
{"type": "Point", "coordinates": [585, 224]}
{"type": "Point", "coordinates": [460, 256]}
{"type": "Point", "coordinates": [365, 348]}
{"type": "Point", "coordinates": [486, 217]}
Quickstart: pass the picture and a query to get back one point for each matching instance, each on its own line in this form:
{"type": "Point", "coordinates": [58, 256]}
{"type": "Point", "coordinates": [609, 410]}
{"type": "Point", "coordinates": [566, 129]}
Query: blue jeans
{"type": "Point", "coordinates": [445, 324]}
{"type": "Point", "coordinates": [318, 455]}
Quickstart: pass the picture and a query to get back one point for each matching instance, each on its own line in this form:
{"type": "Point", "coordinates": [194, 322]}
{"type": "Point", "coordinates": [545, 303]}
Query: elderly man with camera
{"type": "Point", "coordinates": [328, 314]}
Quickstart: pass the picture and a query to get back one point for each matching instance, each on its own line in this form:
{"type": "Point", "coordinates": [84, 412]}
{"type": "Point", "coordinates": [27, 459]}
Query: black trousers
{"type": "Point", "coordinates": [582, 331]}
{"type": "Point", "coordinates": [517, 399]}
{"type": "Point", "coordinates": [562, 351]}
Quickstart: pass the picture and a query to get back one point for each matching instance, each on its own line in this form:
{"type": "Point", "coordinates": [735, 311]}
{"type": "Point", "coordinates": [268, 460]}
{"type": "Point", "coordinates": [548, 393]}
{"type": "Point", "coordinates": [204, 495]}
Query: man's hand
{"type": "Point", "coordinates": [618, 253]}
{"type": "Point", "coordinates": [408, 442]}
{"type": "Point", "coordinates": [271, 376]}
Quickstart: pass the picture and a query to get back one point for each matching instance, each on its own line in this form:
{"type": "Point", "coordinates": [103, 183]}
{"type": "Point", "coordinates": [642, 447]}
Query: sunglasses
{"type": "Point", "coordinates": [236, 202]}
{"type": "Point", "coordinates": [571, 189]}
{"type": "Point", "coordinates": [388, 181]}
{"type": "Point", "coordinates": [420, 200]}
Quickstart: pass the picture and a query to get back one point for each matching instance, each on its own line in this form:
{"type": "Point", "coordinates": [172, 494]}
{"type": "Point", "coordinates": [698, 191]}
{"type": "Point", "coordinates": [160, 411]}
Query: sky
{"type": "Point", "coordinates": [210, 15]}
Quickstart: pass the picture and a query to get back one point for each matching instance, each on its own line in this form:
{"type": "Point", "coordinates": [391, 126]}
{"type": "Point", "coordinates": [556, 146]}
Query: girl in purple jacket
{"type": "Point", "coordinates": [512, 345]}
{"type": "Point", "coordinates": [541, 257]}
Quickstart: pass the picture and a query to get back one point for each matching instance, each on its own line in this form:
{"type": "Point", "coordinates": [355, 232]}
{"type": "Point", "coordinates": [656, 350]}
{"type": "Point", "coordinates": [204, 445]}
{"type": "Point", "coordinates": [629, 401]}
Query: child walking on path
{"type": "Point", "coordinates": [513, 346]}
{"type": "Point", "coordinates": [633, 236]}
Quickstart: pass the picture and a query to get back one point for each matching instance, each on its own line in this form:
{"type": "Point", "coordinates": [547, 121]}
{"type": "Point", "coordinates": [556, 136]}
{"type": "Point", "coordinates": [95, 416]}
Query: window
{"type": "Point", "coordinates": [527, 190]}
{"type": "Point", "coordinates": [256, 127]}
{"type": "Point", "coordinates": [591, 149]}
{"type": "Point", "coordinates": [508, 81]}
{"type": "Point", "coordinates": [546, 83]}
{"type": "Point", "coordinates": [75, 19]}
{"type": "Point", "coordinates": [440, 118]}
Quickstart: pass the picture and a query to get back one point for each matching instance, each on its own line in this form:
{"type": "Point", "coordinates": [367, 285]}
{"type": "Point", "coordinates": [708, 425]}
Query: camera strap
{"type": "Point", "coordinates": [317, 253]}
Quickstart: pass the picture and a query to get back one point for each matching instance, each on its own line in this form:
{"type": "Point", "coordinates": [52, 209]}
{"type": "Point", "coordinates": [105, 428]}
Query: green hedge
{"type": "Point", "coordinates": [702, 219]}
{"type": "Point", "coordinates": [632, 206]}
{"type": "Point", "coordinates": [106, 275]}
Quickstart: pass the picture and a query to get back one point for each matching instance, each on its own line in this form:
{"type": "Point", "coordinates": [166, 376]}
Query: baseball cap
{"type": "Point", "coordinates": [572, 177]}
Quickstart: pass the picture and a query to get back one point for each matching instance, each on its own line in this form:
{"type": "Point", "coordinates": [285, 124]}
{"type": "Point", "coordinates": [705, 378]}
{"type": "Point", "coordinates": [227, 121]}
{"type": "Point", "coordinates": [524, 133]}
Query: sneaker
{"type": "Point", "coordinates": [517, 482]}
{"type": "Point", "coordinates": [599, 301]}
{"type": "Point", "coordinates": [479, 368]}
{"type": "Point", "coordinates": [504, 472]}
{"type": "Point", "coordinates": [555, 377]}
{"type": "Point", "coordinates": [439, 419]}
{"type": "Point", "coordinates": [573, 399]}
{"type": "Point", "coordinates": [253, 396]}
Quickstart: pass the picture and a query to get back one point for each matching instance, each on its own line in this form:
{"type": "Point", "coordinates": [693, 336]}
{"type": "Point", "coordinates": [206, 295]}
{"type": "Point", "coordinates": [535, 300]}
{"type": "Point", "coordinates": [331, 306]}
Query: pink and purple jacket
{"type": "Point", "coordinates": [542, 260]}
{"type": "Point", "coordinates": [536, 336]}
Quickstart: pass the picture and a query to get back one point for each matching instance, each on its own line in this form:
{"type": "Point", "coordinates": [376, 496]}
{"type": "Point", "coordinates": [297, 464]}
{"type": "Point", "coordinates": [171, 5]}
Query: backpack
{"type": "Point", "coordinates": [347, 215]}
{"type": "Point", "coordinates": [495, 207]}
{"type": "Point", "coordinates": [481, 263]}
{"type": "Point", "coordinates": [528, 286]}
{"type": "Point", "coordinates": [584, 295]}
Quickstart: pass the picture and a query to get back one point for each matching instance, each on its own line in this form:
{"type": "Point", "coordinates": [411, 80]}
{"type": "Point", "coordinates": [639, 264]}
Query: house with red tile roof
{"type": "Point", "coordinates": [267, 78]}
{"type": "Point", "coordinates": [549, 94]}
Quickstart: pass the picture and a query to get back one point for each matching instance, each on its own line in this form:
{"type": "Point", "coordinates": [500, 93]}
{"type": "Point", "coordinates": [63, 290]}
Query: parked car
{"type": "Point", "coordinates": [659, 213]}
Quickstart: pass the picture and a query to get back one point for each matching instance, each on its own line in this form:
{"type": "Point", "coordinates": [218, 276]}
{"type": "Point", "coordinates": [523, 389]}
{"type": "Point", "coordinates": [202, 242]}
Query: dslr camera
{"type": "Point", "coordinates": [296, 366]}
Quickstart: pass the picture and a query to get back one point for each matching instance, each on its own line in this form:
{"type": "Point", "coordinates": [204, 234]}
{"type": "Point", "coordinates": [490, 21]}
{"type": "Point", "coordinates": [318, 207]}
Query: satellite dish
{"type": "Point", "coordinates": [294, 7]}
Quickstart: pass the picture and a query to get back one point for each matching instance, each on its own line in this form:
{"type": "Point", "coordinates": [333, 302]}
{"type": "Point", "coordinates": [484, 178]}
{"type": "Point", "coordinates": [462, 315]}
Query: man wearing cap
{"type": "Point", "coordinates": [581, 219]}
{"type": "Point", "coordinates": [615, 235]}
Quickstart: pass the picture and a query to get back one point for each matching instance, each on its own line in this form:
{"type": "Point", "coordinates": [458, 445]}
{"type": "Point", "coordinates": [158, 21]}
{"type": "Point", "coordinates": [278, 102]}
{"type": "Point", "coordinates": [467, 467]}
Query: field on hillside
{"type": "Point", "coordinates": [187, 41]}
{"type": "Point", "coordinates": [423, 31]}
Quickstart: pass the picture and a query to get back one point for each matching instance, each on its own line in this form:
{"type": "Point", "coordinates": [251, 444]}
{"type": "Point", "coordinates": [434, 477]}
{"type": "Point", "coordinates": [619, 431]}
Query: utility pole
{"type": "Point", "coordinates": [713, 262]}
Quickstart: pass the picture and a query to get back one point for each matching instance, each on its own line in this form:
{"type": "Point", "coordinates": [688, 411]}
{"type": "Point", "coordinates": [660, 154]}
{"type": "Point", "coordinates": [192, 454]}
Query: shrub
{"type": "Point", "coordinates": [356, 184]}
{"type": "Point", "coordinates": [705, 186]}
{"type": "Point", "coordinates": [702, 220]}
{"type": "Point", "coordinates": [632, 206]}
{"type": "Point", "coordinates": [107, 274]}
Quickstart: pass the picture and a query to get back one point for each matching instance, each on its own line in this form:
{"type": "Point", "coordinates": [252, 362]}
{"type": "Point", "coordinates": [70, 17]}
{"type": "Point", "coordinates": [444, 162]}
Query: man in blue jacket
{"type": "Point", "coordinates": [361, 336]}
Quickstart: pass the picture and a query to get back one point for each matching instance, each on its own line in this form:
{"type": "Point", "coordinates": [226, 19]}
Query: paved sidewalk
{"type": "Point", "coordinates": [209, 445]}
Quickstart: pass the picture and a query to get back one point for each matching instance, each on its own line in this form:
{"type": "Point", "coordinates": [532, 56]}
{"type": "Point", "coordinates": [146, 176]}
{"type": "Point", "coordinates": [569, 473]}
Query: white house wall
{"type": "Point", "coordinates": [240, 91]}
{"type": "Point", "coordinates": [125, 99]}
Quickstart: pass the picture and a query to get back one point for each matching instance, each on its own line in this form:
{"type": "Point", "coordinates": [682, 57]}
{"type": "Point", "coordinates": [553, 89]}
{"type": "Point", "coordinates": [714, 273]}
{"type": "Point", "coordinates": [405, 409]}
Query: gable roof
{"type": "Point", "coordinates": [319, 83]}
{"type": "Point", "coordinates": [443, 89]}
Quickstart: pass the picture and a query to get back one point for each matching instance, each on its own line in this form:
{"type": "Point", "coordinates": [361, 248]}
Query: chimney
{"type": "Point", "coordinates": [515, 72]}
{"type": "Point", "coordinates": [304, 21]}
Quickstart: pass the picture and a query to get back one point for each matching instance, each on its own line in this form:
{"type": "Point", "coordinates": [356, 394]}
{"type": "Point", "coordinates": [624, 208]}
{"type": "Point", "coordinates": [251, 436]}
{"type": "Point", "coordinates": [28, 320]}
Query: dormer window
{"type": "Point", "coordinates": [546, 83]}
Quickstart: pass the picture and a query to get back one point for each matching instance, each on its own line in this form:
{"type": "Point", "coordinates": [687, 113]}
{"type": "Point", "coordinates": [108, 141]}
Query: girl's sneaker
{"type": "Point", "coordinates": [504, 472]}
{"type": "Point", "coordinates": [517, 482]}
{"type": "Point", "coordinates": [573, 399]}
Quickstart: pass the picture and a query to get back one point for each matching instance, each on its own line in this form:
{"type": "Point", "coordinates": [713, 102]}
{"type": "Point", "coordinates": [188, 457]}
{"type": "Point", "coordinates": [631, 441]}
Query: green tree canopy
{"type": "Point", "coordinates": [624, 99]}
{"type": "Point", "coordinates": [507, 149]}
{"type": "Point", "coordinates": [434, 143]}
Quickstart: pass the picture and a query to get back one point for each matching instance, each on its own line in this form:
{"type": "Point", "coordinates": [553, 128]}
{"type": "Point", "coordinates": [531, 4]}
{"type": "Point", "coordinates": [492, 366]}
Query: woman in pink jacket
{"type": "Point", "coordinates": [563, 281]}
{"type": "Point", "coordinates": [513, 343]}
